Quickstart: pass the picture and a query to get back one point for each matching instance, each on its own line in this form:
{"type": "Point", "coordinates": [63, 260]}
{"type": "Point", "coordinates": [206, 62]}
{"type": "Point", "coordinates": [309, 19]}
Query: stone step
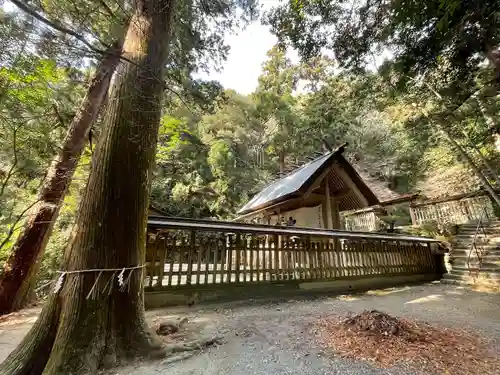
{"type": "Point", "coordinates": [459, 269]}
{"type": "Point", "coordinates": [472, 234]}
{"type": "Point", "coordinates": [475, 265]}
{"type": "Point", "coordinates": [484, 249]}
{"type": "Point", "coordinates": [474, 225]}
{"type": "Point", "coordinates": [486, 258]}
{"type": "Point", "coordinates": [470, 278]}
{"type": "Point", "coordinates": [467, 241]}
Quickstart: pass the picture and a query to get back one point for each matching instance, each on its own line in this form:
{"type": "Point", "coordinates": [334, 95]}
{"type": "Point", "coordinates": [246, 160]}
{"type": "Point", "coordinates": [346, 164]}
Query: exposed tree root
{"type": "Point", "coordinates": [180, 351]}
{"type": "Point", "coordinates": [168, 327]}
{"type": "Point", "coordinates": [197, 344]}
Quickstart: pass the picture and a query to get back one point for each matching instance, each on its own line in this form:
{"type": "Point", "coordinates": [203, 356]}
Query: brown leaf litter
{"type": "Point", "coordinates": [388, 341]}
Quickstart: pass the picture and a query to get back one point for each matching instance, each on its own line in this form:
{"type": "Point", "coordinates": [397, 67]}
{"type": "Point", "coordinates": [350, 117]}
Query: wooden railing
{"type": "Point", "coordinates": [456, 210]}
{"type": "Point", "coordinates": [183, 252]}
{"type": "Point", "coordinates": [365, 220]}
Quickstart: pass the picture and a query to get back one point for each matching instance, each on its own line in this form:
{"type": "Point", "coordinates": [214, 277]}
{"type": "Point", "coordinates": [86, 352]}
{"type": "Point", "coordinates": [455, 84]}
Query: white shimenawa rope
{"type": "Point", "coordinates": [109, 285]}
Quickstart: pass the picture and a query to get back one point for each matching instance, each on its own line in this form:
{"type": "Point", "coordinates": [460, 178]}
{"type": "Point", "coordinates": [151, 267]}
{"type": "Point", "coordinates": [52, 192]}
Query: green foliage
{"type": "Point", "coordinates": [420, 34]}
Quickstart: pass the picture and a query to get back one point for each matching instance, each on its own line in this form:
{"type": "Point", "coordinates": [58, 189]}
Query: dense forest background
{"type": "Point", "coordinates": [216, 147]}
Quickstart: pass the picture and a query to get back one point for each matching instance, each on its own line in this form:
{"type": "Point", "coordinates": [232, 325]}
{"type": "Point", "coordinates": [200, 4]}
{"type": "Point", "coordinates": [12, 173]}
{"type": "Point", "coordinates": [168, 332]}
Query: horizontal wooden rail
{"type": "Point", "coordinates": [223, 226]}
{"type": "Point", "coordinates": [453, 210]}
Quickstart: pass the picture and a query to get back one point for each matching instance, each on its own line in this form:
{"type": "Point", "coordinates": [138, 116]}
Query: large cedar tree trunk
{"type": "Point", "coordinates": [22, 264]}
{"type": "Point", "coordinates": [75, 335]}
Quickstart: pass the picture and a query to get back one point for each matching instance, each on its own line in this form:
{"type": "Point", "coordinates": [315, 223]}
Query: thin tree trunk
{"type": "Point", "coordinates": [21, 266]}
{"type": "Point", "coordinates": [490, 121]}
{"type": "Point", "coordinates": [282, 161]}
{"type": "Point", "coordinates": [75, 334]}
{"type": "Point", "coordinates": [488, 166]}
{"type": "Point", "coordinates": [476, 170]}
{"type": "Point", "coordinates": [493, 56]}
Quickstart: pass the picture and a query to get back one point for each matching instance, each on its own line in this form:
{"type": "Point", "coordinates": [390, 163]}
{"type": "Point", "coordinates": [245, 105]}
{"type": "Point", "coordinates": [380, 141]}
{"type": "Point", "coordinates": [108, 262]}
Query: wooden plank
{"type": "Point", "coordinates": [207, 250]}
{"type": "Point", "coordinates": [321, 251]}
{"type": "Point", "coordinates": [432, 264]}
{"type": "Point", "coordinates": [231, 254]}
{"type": "Point", "coordinates": [296, 258]}
{"type": "Point", "coordinates": [285, 259]}
{"type": "Point", "coordinates": [401, 257]}
{"type": "Point", "coordinates": [257, 258]}
{"type": "Point", "coordinates": [191, 250]}
{"type": "Point", "coordinates": [313, 264]}
{"type": "Point", "coordinates": [388, 258]}
{"type": "Point", "coordinates": [182, 252]}
{"type": "Point", "coordinates": [162, 254]}
{"type": "Point", "coordinates": [331, 260]}
{"type": "Point", "coordinates": [307, 261]}
{"type": "Point", "coordinates": [277, 251]}
{"type": "Point", "coordinates": [238, 256]}
{"type": "Point", "coordinates": [172, 252]}
{"type": "Point", "coordinates": [394, 258]}
{"type": "Point", "coordinates": [270, 260]}
{"type": "Point", "coordinates": [199, 255]}
{"type": "Point", "coordinates": [347, 257]}
{"type": "Point", "coordinates": [339, 259]}
{"type": "Point", "coordinates": [352, 253]}
{"type": "Point", "coordinates": [216, 261]}
{"type": "Point", "coordinates": [328, 206]}
{"type": "Point", "coordinates": [370, 264]}
{"type": "Point", "coordinates": [223, 260]}
{"type": "Point", "coordinates": [152, 267]}
{"type": "Point", "coordinates": [357, 258]}
{"type": "Point", "coordinates": [312, 260]}
{"type": "Point", "coordinates": [365, 261]}
{"type": "Point", "coordinates": [252, 250]}
{"type": "Point", "coordinates": [264, 264]}
{"type": "Point", "coordinates": [326, 259]}
{"type": "Point", "coordinates": [404, 256]}
{"type": "Point", "coordinates": [420, 258]}
{"type": "Point", "coordinates": [377, 252]}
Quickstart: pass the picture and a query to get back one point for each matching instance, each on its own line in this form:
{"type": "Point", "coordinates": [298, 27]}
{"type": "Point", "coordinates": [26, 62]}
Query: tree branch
{"type": "Point", "coordinates": [58, 115]}
{"type": "Point", "coordinates": [25, 8]}
{"type": "Point", "coordinates": [13, 227]}
{"type": "Point", "coordinates": [10, 173]}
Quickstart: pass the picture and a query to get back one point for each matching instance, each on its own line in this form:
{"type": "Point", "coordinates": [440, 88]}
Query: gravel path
{"type": "Point", "coordinates": [276, 338]}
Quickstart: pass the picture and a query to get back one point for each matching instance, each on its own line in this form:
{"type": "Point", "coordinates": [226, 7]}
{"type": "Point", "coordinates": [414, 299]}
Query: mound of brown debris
{"type": "Point", "coordinates": [388, 341]}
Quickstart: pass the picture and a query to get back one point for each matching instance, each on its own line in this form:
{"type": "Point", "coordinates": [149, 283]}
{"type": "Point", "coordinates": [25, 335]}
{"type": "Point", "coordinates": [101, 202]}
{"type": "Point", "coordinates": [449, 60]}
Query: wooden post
{"type": "Point", "coordinates": [336, 222]}
{"type": "Point", "coordinates": [412, 215]}
{"type": "Point", "coordinates": [327, 206]}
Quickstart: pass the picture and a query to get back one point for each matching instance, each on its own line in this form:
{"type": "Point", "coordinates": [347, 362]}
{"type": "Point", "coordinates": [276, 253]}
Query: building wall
{"type": "Point", "coordinates": [306, 217]}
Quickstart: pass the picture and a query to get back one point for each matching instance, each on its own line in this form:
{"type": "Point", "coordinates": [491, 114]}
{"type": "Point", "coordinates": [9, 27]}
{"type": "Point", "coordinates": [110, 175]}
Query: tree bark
{"type": "Point", "coordinates": [490, 121]}
{"type": "Point", "coordinates": [493, 56]}
{"type": "Point", "coordinates": [281, 161]}
{"type": "Point", "coordinates": [488, 165]}
{"type": "Point", "coordinates": [110, 229]}
{"type": "Point", "coordinates": [21, 266]}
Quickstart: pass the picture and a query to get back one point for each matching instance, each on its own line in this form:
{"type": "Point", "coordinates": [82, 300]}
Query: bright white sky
{"type": "Point", "coordinates": [248, 51]}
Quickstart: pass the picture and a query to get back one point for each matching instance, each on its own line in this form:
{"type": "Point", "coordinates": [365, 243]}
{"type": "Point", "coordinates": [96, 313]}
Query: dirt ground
{"type": "Point", "coordinates": [278, 338]}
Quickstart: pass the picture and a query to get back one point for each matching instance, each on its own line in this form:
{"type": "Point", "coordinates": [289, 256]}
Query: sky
{"type": "Point", "coordinates": [247, 53]}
